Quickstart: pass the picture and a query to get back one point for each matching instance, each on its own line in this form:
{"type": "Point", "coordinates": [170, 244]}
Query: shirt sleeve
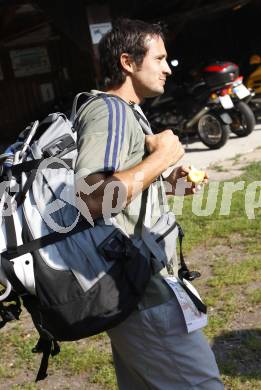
{"type": "Point", "coordinates": [102, 135]}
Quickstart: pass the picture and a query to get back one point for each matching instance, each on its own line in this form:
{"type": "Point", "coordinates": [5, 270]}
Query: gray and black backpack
{"type": "Point", "coordinates": [75, 279]}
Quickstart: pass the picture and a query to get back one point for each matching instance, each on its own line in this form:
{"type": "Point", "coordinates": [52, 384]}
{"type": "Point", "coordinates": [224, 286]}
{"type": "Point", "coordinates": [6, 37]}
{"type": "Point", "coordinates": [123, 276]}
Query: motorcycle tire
{"type": "Point", "coordinates": [161, 121]}
{"type": "Point", "coordinates": [212, 131]}
{"type": "Point", "coordinates": [255, 106]}
{"type": "Point", "coordinates": [243, 120]}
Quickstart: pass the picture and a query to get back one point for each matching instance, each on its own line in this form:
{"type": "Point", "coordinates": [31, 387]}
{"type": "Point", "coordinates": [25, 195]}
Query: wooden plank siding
{"type": "Point", "coordinates": [20, 97]}
{"type": "Point", "coordinates": [20, 103]}
{"type": "Point", "coordinates": [62, 29]}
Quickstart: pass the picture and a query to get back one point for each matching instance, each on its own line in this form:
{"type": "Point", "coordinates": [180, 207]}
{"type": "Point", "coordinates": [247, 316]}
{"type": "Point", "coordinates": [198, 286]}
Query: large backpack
{"type": "Point", "coordinates": [75, 279]}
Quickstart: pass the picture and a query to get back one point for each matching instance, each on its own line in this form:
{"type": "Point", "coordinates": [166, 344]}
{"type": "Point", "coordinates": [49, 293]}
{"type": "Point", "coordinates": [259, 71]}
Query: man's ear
{"type": "Point", "coordinates": [127, 63]}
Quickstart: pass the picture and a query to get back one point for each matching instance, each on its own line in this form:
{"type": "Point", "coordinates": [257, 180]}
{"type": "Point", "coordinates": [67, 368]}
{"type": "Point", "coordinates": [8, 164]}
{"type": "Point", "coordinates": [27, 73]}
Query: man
{"type": "Point", "coordinates": [151, 349]}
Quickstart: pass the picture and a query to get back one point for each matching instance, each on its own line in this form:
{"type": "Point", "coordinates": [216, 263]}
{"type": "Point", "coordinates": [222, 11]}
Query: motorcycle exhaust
{"type": "Point", "coordinates": [196, 117]}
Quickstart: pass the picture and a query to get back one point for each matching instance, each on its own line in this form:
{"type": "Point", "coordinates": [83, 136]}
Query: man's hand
{"type": "Point", "coordinates": [178, 180]}
{"type": "Point", "coordinates": [166, 145]}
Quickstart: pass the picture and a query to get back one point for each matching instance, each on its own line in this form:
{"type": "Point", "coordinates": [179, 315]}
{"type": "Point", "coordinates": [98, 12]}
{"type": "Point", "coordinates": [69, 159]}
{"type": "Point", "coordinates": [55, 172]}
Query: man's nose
{"type": "Point", "coordinates": [167, 69]}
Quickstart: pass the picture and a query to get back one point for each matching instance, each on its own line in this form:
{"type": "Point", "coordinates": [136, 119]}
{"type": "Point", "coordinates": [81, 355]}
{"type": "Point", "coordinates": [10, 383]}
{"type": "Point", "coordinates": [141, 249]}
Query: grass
{"type": "Point", "coordinates": [232, 288]}
{"type": "Point", "coordinates": [97, 361]}
{"type": "Point", "coordinates": [242, 273]}
{"type": "Point", "coordinates": [29, 386]}
{"type": "Point", "coordinates": [218, 168]}
{"type": "Point", "coordinates": [76, 358]}
{"type": "Point", "coordinates": [199, 229]}
{"type": "Point", "coordinates": [255, 296]}
{"type": "Point", "coordinates": [236, 158]}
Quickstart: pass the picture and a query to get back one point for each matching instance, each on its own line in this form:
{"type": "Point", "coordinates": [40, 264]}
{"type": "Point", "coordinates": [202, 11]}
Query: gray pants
{"type": "Point", "coordinates": [152, 350]}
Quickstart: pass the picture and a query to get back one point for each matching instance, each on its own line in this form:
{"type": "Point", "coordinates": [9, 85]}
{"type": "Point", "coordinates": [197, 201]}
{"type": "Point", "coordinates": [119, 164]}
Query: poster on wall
{"type": "Point", "coordinates": [97, 30]}
{"type": "Point", "coordinates": [29, 62]}
{"type": "Point", "coordinates": [1, 73]}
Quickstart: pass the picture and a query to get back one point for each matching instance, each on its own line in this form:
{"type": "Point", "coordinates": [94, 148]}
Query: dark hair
{"type": "Point", "coordinates": [126, 36]}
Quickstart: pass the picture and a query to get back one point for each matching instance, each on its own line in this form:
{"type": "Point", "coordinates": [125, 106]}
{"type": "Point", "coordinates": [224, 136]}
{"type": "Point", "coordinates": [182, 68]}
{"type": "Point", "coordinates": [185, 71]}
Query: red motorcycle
{"type": "Point", "coordinates": [233, 95]}
{"type": "Point", "coordinates": [198, 107]}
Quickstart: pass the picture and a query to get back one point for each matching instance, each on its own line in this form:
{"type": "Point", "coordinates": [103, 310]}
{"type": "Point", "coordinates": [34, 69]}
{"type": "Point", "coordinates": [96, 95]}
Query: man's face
{"type": "Point", "coordinates": [150, 77]}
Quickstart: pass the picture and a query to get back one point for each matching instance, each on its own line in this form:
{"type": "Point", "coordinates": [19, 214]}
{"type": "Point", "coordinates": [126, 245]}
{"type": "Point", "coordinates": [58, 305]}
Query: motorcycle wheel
{"type": "Point", "coordinates": [212, 131]}
{"type": "Point", "coordinates": [255, 106]}
{"type": "Point", "coordinates": [243, 120]}
{"type": "Point", "coordinates": [161, 121]}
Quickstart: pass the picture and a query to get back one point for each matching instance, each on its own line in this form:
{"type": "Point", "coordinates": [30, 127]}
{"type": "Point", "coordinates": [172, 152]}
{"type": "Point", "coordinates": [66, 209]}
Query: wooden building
{"type": "Point", "coordinates": [44, 61]}
{"type": "Point", "coordinates": [48, 48]}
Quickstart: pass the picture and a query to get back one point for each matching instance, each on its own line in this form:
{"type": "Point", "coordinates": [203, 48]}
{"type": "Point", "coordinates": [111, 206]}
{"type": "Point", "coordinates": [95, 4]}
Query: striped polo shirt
{"type": "Point", "coordinates": [111, 139]}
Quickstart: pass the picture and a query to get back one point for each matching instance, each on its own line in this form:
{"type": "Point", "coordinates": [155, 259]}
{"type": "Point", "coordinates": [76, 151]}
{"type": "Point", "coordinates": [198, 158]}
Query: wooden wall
{"type": "Point", "coordinates": [29, 97]}
{"type": "Point", "coordinates": [21, 98]}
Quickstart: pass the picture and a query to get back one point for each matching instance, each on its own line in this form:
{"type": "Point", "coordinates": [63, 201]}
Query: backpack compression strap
{"type": "Point", "coordinates": [184, 273]}
{"type": "Point", "coordinates": [46, 345]}
{"type": "Point", "coordinates": [14, 250]}
{"type": "Point", "coordinates": [41, 242]}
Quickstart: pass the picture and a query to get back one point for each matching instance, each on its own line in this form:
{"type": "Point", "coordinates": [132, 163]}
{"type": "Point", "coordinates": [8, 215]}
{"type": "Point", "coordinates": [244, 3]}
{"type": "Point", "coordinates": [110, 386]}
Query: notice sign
{"type": "Point", "coordinates": [47, 92]}
{"type": "Point", "coordinates": [97, 30]}
{"type": "Point", "coordinates": [28, 62]}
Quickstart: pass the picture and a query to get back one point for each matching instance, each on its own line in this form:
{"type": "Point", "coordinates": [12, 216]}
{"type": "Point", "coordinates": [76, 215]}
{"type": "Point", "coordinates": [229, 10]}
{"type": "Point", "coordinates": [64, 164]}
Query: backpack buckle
{"type": "Point", "coordinates": [188, 275]}
{"type": "Point", "coordinates": [59, 146]}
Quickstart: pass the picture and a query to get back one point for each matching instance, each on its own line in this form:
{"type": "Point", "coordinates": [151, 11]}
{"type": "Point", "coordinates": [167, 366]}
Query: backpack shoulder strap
{"type": "Point", "coordinates": [74, 112]}
{"type": "Point", "coordinates": [144, 123]}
